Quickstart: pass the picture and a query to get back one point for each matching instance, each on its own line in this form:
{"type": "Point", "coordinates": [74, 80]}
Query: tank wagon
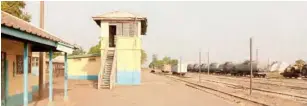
{"type": "Point", "coordinates": [190, 67]}
{"type": "Point", "coordinates": [203, 67]}
{"type": "Point", "coordinates": [243, 69]}
{"type": "Point", "coordinates": [180, 69]}
{"type": "Point", "coordinates": [228, 67]}
{"type": "Point", "coordinates": [214, 67]}
{"type": "Point", "coordinates": [195, 68]}
{"type": "Point", "coordinates": [220, 69]}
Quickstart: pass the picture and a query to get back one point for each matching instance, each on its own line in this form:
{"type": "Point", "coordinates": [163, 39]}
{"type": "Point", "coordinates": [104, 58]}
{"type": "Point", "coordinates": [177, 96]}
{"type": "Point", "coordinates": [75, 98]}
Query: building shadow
{"type": "Point", "coordinates": [85, 83]}
{"type": "Point", "coordinates": [56, 92]}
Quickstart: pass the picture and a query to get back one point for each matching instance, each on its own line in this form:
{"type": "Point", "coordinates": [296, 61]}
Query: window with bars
{"type": "Point", "coordinates": [126, 29]}
{"type": "Point", "coordinates": [19, 64]}
{"type": "Point", "coordinates": [34, 61]}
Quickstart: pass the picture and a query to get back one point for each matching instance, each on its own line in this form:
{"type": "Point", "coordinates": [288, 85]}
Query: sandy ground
{"type": "Point", "coordinates": [154, 91]}
{"type": "Point", "coordinates": [274, 100]}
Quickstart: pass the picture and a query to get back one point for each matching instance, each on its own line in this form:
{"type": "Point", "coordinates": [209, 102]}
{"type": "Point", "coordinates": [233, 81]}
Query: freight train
{"type": "Point", "coordinates": [242, 69]}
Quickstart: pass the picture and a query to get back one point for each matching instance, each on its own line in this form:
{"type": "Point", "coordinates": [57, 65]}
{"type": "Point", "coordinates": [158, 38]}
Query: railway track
{"type": "Point", "coordinates": [297, 99]}
{"type": "Point", "coordinates": [264, 83]}
{"type": "Point", "coordinates": [260, 82]}
{"type": "Point", "coordinates": [294, 96]}
{"type": "Point", "coordinates": [218, 93]}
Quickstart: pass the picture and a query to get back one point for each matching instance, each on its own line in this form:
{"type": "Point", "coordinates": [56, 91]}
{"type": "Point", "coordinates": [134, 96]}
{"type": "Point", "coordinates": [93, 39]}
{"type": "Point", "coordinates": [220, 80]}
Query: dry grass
{"type": "Point", "coordinates": [274, 75]}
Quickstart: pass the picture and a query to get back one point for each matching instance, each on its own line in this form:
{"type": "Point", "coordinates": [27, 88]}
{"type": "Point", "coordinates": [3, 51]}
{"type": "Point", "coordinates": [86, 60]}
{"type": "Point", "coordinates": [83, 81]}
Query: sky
{"type": "Point", "coordinates": [183, 29]}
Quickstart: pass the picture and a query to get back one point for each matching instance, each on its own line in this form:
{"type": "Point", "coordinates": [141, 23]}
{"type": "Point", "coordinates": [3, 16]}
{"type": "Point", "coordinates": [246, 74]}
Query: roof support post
{"type": "Point", "coordinates": [66, 77]}
{"type": "Point", "coordinates": [25, 74]}
{"type": "Point", "coordinates": [50, 76]}
{"type": "Point", "coordinates": [41, 73]}
{"type": "Point", "coordinates": [6, 72]}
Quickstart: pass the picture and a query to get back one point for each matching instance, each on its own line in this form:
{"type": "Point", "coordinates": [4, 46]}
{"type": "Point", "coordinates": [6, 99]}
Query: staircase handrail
{"type": "Point", "coordinates": [103, 60]}
{"type": "Point", "coordinates": [114, 65]}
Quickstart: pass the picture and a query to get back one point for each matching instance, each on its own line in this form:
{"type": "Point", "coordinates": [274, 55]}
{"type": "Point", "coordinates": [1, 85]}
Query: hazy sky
{"type": "Point", "coordinates": [183, 28]}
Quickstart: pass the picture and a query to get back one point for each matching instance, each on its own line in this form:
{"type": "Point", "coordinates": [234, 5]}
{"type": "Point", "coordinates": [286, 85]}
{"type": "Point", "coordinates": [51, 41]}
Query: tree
{"type": "Point", "coordinates": [174, 62]}
{"type": "Point", "coordinates": [159, 64]}
{"type": "Point", "coordinates": [156, 63]}
{"type": "Point", "coordinates": [78, 51]}
{"type": "Point", "coordinates": [15, 8]}
{"type": "Point", "coordinates": [300, 63]}
{"type": "Point", "coordinates": [95, 49]}
{"type": "Point", "coordinates": [166, 60]}
{"type": "Point", "coordinates": [154, 57]}
{"type": "Point", "coordinates": [143, 56]}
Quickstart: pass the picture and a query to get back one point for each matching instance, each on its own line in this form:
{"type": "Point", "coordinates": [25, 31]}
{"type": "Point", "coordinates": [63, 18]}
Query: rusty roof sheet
{"type": "Point", "coordinates": [118, 15]}
{"type": "Point", "coordinates": [16, 23]}
{"type": "Point", "coordinates": [122, 16]}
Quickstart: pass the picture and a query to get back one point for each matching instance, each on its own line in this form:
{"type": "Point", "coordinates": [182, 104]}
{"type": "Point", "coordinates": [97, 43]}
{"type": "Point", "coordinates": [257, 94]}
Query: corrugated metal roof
{"type": "Point", "coordinates": [16, 23]}
{"type": "Point", "coordinates": [118, 15]}
{"type": "Point", "coordinates": [58, 59]}
{"type": "Point", "coordinates": [83, 56]}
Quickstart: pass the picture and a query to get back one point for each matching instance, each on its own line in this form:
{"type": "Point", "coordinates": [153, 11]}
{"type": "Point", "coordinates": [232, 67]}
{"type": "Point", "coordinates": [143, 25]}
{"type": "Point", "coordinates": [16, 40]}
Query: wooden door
{"type": "Point", "coordinates": [112, 33]}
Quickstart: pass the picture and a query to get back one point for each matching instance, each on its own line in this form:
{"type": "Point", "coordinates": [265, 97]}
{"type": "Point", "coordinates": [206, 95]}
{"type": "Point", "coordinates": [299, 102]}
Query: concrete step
{"type": "Point", "coordinates": [106, 82]}
{"type": "Point", "coordinates": [105, 87]}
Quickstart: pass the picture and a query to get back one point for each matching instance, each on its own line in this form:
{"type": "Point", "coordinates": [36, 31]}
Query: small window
{"type": "Point", "coordinates": [34, 61]}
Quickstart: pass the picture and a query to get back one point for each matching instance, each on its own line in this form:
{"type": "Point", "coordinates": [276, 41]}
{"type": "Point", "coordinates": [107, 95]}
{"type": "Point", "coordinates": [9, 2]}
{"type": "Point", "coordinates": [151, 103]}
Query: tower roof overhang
{"type": "Point", "coordinates": [120, 16]}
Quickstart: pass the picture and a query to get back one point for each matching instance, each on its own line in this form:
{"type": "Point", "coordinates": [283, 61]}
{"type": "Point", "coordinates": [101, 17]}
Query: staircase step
{"type": "Point", "coordinates": [106, 76]}
{"type": "Point", "coordinates": [105, 86]}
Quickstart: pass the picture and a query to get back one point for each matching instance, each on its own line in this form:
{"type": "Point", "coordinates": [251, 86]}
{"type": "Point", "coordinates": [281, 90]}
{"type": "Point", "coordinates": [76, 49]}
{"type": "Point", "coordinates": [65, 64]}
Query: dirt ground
{"type": "Point", "coordinates": [154, 91]}
{"type": "Point", "coordinates": [283, 86]}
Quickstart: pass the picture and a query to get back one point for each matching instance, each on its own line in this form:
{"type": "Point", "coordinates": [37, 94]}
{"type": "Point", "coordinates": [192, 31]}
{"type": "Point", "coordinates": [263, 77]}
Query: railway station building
{"type": "Point", "coordinates": [18, 40]}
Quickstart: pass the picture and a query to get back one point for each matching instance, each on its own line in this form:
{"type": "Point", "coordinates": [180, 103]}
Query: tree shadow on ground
{"type": "Point", "coordinates": [56, 92]}
{"type": "Point", "coordinates": [86, 83]}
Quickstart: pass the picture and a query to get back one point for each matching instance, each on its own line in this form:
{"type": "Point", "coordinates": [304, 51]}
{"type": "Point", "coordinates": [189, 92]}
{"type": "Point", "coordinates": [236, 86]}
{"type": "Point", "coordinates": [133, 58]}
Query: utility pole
{"type": "Point", "coordinates": [41, 55]}
{"type": "Point", "coordinates": [251, 66]}
{"type": "Point", "coordinates": [199, 65]}
{"type": "Point", "coordinates": [208, 63]}
{"type": "Point", "coordinates": [180, 64]}
{"type": "Point", "coordinates": [257, 55]}
{"type": "Point", "coordinates": [269, 63]}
